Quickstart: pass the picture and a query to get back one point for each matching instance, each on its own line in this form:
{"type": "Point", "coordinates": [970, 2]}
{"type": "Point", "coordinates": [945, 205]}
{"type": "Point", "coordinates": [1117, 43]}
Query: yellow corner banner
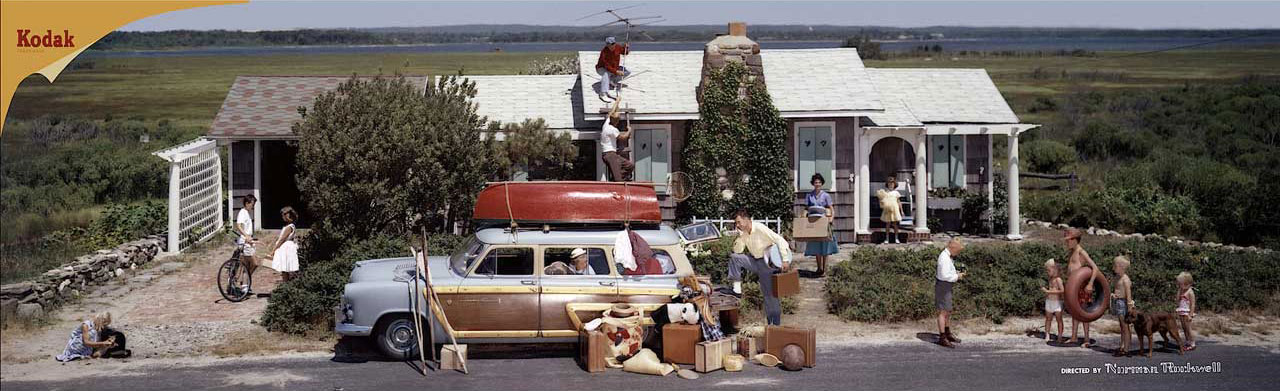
{"type": "Point", "coordinates": [44, 36]}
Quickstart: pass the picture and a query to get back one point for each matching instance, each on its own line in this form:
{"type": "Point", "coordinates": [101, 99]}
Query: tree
{"type": "Point", "coordinates": [867, 49]}
{"type": "Point", "coordinates": [378, 156]}
{"type": "Point", "coordinates": [738, 147]}
{"type": "Point", "coordinates": [529, 146]}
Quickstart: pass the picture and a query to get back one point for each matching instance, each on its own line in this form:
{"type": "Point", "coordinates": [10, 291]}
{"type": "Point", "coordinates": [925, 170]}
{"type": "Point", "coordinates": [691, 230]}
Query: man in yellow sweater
{"type": "Point", "coordinates": [763, 252]}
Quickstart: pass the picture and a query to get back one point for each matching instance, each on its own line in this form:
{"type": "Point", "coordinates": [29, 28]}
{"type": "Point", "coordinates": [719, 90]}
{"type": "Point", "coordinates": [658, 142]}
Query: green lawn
{"type": "Point", "coordinates": [190, 90]}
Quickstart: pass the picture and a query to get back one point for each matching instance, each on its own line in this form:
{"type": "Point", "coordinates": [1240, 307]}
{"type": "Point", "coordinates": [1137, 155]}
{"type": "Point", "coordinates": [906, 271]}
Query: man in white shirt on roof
{"type": "Point", "coordinates": [945, 279]}
{"type": "Point", "coordinates": [619, 166]}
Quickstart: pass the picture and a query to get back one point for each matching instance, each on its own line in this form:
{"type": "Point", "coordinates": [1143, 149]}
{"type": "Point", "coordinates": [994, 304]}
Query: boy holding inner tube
{"type": "Point", "coordinates": [1076, 259]}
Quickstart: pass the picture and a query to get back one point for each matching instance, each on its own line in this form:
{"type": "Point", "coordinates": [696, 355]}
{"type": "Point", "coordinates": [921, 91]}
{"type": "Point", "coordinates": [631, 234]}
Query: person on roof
{"type": "Point", "coordinates": [610, 68]}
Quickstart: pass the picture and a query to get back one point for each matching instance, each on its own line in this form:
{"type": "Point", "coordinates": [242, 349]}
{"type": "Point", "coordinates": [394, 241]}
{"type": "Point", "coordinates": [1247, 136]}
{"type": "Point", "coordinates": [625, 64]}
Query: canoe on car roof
{"type": "Point", "coordinates": [567, 202]}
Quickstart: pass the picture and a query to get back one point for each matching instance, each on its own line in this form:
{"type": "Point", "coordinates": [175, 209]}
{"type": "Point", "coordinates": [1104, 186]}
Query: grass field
{"type": "Point", "coordinates": [190, 90]}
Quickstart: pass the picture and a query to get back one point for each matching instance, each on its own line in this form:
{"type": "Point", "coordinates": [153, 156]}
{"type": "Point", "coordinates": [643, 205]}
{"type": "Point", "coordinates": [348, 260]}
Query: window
{"type": "Point", "coordinates": [946, 154]}
{"type": "Point", "coordinates": [814, 147]}
{"type": "Point", "coordinates": [664, 259]}
{"type": "Point", "coordinates": [507, 261]}
{"type": "Point", "coordinates": [651, 150]}
{"type": "Point", "coordinates": [242, 165]}
{"type": "Point", "coordinates": [595, 258]}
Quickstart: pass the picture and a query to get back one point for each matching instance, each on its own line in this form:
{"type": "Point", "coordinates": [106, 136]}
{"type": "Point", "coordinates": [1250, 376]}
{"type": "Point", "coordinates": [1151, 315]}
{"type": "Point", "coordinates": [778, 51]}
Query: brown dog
{"type": "Point", "coordinates": [1146, 325]}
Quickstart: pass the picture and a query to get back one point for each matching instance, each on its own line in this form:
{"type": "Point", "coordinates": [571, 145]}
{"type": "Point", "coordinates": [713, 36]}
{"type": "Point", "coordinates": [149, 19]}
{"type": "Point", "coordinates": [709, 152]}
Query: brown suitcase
{"type": "Point", "coordinates": [592, 346]}
{"type": "Point", "coordinates": [786, 284]}
{"type": "Point", "coordinates": [811, 229]}
{"type": "Point", "coordinates": [678, 341]}
{"type": "Point", "coordinates": [709, 355]}
{"type": "Point", "coordinates": [778, 337]}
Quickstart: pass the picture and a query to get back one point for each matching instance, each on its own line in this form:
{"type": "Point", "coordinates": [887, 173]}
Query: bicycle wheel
{"type": "Point", "coordinates": [234, 280]}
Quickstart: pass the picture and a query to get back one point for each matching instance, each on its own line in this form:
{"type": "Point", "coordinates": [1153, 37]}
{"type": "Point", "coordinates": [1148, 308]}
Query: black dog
{"type": "Point", "coordinates": [1146, 325]}
{"type": "Point", "coordinates": [118, 350]}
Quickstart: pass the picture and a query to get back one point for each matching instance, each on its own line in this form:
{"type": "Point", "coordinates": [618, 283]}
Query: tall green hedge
{"type": "Point", "coordinates": [1005, 279]}
{"type": "Point", "coordinates": [745, 140]}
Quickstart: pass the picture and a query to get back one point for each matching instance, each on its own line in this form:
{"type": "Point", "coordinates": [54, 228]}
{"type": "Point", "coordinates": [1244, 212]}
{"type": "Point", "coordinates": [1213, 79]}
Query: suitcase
{"type": "Point", "coordinates": [678, 341]}
{"type": "Point", "coordinates": [709, 355]}
{"type": "Point", "coordinates": [778, 337]}
{"type": "Point", "coordinates": [592, 346]}
{"type": "Point", "coordinates": [786, 284]}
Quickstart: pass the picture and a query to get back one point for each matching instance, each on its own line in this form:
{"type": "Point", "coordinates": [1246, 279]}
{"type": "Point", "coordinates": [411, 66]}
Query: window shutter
{"type": "Point", "coordinates": [660, 157]}
{"type": "Point", "coordinates": [805, 156]}
{"type": "Point", "coordinates": [822, 163]}
{"type": "Point", "coordinates": [642, 151]}
{"type": "Point", "coordinates": [940, 162]}
{"type": "Point", "coordinates": [957, 161]}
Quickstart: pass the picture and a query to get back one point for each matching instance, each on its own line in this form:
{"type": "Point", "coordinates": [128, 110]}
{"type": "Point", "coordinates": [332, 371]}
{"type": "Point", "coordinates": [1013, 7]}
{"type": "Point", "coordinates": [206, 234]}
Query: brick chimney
{"type": "Point", "coordinates": [733, 47]}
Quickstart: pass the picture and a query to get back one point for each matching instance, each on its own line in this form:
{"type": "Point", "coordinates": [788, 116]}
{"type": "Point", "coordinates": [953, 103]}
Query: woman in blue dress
{"type": "Point", "coordinates": [819, 202]}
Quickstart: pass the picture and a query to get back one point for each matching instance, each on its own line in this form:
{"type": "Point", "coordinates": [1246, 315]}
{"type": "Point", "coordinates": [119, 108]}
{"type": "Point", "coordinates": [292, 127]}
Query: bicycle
{"type": "Point", "coordinates": [235, 281]}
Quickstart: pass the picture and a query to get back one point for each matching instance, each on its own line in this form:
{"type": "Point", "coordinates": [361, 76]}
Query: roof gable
{"type": "Point", "coordinates": [801, 80]}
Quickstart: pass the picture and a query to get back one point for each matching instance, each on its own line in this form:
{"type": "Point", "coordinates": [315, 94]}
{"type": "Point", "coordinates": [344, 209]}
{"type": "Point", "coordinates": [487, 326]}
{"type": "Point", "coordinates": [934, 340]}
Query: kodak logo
{"type": "Point", "coordinates": [48, 40]}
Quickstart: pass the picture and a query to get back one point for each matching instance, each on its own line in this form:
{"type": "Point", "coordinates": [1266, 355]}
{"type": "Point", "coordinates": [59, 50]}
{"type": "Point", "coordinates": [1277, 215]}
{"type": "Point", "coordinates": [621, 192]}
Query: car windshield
{"type": "Point", "coordinates": [462, 258]}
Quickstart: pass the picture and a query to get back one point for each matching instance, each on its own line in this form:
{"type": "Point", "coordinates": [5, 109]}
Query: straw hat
{"type": "Point", "coordinates": [577, 252]}
{"type": "Point", "coordinates": [733, 362]}
{"type": "Point", "coordinates": [646, 362]}
{"type": "Point", "coordinates": [622, 310]}
{"type": "Point", "coordinates": [792, 357]}
{"type": "Point", "coordinates": [767, 360]}
{"type": "Point", "coordinates": [1072, 233]}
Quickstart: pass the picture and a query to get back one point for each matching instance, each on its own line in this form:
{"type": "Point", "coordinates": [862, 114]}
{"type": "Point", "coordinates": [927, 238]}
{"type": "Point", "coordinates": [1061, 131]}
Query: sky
{"type": "Point", "coordinates": [293, 14]}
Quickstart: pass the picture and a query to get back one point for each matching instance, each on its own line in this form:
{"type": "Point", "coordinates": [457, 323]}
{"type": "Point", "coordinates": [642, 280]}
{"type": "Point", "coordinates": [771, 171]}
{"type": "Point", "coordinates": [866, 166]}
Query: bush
{"type": "Point", "coordinates": [1005, 279]}
{"type": "Point", "coordinates": [306, 303]}
{"type": "Point", "coordinates": [1047, 156]}
{"type": "Point", "coordinates": [1146, 210]}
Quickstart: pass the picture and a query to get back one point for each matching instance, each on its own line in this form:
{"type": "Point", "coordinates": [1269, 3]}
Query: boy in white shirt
{"type": "Point", "coordinates": [244, 228]}
{"type": "Point", "coordinates": [945, 278]}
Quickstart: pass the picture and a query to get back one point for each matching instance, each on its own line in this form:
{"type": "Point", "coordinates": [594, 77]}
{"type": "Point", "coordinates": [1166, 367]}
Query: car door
{"type": "Point", "coordinates": [561, 289]}
{"type": "Point", "coordinates": [499, 295]}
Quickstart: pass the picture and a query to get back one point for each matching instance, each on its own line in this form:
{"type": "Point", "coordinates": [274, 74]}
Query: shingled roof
{"type": "Point", "coordinates": [934, 95]}
{"type": "Point", "coordinates": [514, 98]}
{"type": "Point", "coordinates": [265, 107]}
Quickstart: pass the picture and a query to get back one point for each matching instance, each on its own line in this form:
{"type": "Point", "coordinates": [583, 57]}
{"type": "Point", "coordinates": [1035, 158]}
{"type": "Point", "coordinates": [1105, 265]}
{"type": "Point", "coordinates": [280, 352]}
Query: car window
{"type": "Point", "coordinates": [596, 260]}
{"type": "Point", "coordinates": [466, 255]}
{"type": "Point", "coordinates": [507, 261]}
{"type": "Point", "coordinates": [664, 259]}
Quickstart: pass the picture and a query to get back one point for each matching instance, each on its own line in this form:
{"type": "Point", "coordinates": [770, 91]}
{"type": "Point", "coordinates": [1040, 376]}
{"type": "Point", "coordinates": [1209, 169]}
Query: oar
{"type": "Point", "coordinates": [433, 301]}
{"type": "Point", "coordinates": [413, 301]}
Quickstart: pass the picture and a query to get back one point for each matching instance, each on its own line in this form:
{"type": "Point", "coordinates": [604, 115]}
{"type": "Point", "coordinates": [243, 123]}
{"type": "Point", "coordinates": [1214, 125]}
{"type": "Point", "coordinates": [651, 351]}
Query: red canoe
{"type": "Point", "coordinates": [580, 202]}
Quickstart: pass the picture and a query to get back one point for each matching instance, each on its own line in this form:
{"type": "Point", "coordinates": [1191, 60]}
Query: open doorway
{"type": "Point", "coordinates": [279, 185]}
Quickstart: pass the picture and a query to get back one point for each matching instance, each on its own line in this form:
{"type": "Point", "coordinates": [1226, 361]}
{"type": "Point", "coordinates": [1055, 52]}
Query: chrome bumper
{"type": "Point", "coordinates": [341, 327]}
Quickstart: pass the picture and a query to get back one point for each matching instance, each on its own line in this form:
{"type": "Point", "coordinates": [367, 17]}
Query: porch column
{"type": "Point", "coordinates": [863, 191]}
{"type": "Point", "coordinates": [922, 190]}
{"type": "Point", "coordinates": [231, 184]}
{"type": "Point", "coordinates": [1015, 218]}
{"type": "Point", "coordinates": [257, 184]}
{"type": "Point", "coordinates": [175, 205]}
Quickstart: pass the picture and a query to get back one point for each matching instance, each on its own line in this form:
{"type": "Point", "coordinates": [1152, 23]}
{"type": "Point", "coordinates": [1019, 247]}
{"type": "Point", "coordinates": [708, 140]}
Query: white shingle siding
{"type": "Point", "coordinates": [801, 80]}
{"type": "Point", "coordinates": [668, 85]}
{"type": "Point", "coordinates": [943, 95]}
{"type": "Point", "coordinates": [512, 99]}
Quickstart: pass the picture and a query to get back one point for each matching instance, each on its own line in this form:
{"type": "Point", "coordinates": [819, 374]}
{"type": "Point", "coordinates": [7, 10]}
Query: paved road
{"type": "Point", "coordinates": [918, 365]}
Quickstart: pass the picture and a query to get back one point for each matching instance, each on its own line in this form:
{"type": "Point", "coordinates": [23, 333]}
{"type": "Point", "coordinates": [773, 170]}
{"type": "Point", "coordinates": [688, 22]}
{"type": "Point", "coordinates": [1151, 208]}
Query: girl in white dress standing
{"type": "Point", "coordinates": [284, 257]}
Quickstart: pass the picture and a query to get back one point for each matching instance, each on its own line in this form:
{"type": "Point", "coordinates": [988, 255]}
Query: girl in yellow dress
{"type": "Point", "coordinates": [891, 208]}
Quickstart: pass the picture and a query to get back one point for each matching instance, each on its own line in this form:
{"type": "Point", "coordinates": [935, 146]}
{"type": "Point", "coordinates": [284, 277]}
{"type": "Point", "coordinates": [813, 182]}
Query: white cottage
{"type": "Point", "coordinates": [930, 128]}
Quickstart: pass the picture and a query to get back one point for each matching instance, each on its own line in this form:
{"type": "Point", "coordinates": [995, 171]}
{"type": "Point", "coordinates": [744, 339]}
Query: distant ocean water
{"type": "Point", "coordinates": [986, 44]}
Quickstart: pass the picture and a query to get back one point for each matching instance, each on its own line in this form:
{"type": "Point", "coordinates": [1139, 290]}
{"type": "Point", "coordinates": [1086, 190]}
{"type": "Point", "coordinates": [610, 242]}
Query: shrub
{"type": "Point", "coordinates": [1005, 279]}
{"type": "Point", "coordinates": [1047, 156]}
{"type": "Point", "coordinates": [306, 303]}
{"type": "Point", "coordinates": [1145, 210]}
{"type": "Point", "coordinates": [567, 65]}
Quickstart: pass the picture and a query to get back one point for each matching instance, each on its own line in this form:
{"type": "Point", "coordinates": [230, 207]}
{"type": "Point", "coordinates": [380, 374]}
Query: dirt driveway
{"type": "Point", "coordinates": [171, 308]}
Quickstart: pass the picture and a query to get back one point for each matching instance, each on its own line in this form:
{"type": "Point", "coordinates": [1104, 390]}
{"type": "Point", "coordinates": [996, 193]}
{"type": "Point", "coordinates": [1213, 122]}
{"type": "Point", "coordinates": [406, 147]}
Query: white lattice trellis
{"type": "Point", "coordinates": [195, 192]}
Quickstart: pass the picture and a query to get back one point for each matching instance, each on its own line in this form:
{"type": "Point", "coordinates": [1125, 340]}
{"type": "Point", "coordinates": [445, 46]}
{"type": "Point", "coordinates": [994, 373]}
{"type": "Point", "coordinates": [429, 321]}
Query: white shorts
{"type": "Point", "coordinates": [247, 250]}
{"type": "Point", "coordinates": [1052, 306]}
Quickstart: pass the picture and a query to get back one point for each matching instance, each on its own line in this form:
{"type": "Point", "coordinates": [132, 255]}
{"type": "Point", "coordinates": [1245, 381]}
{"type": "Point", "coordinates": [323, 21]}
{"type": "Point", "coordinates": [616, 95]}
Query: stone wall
{"type": "Point", "coordinates": [30, 299]}
{"type": "Point", "coordinates": [1095, 231]}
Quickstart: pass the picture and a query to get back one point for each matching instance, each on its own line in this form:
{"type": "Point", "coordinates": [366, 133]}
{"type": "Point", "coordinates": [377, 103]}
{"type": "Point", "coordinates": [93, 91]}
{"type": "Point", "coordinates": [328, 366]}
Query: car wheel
{"type": "Point", "coordinates": [396, 338]}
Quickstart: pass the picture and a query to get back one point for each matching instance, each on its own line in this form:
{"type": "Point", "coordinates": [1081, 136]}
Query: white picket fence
{"type": "Point", "coordinates": [721, 224]}
{"type": "Point", "coordinates": [195, 192]}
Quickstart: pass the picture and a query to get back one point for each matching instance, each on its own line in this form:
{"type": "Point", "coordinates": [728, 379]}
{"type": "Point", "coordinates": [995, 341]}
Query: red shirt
{"type": "Point", "coordinates": [611, 56]}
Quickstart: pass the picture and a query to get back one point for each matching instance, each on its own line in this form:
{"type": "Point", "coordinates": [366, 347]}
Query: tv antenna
{"type": "Point", "coordinates": [629, 22]}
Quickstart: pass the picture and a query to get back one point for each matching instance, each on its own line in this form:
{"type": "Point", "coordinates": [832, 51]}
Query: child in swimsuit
{"type": "Point", "coordinates": [1186, 309]}
{"type": "Point", "coordinates": [1053, 299]}
{"type": "Point", "coordinates": [1122, 303]}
